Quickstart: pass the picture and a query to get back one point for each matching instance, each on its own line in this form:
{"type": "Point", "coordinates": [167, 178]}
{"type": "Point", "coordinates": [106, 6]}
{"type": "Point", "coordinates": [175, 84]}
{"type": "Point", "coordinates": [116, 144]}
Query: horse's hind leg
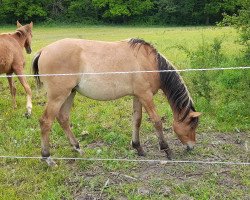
{"type": "Point", "coordinates": [63, 119]}
{"type": "Point", "coordinates": [52, 109]}
{"type": "Point", "coordinates": [147, 102]}
{"type": "Point", "coordinates": [12, 90]}
{"type": "Point", "coordinates": [23, 81]}
{"type": "Point", "coordinates": [137, 116]}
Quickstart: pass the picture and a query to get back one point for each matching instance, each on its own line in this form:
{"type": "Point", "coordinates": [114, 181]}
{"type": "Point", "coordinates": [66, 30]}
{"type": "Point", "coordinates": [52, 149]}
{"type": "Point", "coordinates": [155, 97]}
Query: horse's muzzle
{"type": "Point", "coordinates": [190, 146]}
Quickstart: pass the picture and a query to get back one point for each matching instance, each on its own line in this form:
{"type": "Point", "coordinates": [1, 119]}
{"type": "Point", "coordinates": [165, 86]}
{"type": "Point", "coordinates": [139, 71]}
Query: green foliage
{"type": "Point", "coordinates": [121, 10]}
{"type": "Point", "coordinates": [241, 21]}
{"type": "Point", "coordinates": [82, 11]}
{"type": "Point", "coordinates": [11, 10]}
{"type": "Point", "coordinates": [191, 11]}
{"type": "Point", "coordinates": [209, 87]}
{"type": "Point", "coordinates": [206, 55]}
{"type": "Point", "coordinates": [117, 11]}
{"type": "Point", "coordinates": [116, 138]}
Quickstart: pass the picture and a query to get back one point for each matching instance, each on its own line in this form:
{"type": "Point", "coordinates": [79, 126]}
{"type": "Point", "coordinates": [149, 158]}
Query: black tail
{"type": "Point", "coordinates": [35, 69]}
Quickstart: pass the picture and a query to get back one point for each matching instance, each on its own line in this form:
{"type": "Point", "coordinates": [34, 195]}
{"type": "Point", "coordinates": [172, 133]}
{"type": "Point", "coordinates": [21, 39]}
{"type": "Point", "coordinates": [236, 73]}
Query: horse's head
{"type": "Point", "coordinates": [25, 32]}
{"type": "Point", "coordinates": [185, 129]}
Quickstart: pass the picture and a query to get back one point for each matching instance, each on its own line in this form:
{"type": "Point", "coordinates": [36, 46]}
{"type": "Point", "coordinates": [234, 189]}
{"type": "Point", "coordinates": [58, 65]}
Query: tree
{"type": "Point", "coordinates": [122, 10]}
{"type": "Point", "coordinates": [56, 9]}
{"type": "Point", "coordinates": [82, 11]}
{"type": "Point", "coordinates": [28, 10]}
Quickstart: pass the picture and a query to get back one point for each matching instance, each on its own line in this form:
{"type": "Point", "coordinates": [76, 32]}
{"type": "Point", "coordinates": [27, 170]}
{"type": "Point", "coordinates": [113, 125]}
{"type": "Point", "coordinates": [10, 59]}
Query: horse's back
{"type": "Point", "coordinates": [94, 56]}
{"type": "Point", "coordinates": [89, 56]}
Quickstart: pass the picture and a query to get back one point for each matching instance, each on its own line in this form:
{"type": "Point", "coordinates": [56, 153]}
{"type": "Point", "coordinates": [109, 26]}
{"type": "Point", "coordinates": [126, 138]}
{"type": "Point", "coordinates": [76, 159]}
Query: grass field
{"type": "Point", "coordinates": [104, 131]}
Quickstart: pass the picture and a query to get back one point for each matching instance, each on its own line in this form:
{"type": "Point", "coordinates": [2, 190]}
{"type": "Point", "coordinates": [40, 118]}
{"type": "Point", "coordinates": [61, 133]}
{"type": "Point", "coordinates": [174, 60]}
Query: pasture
{"type": "Point", "coordinates": [104, 130]}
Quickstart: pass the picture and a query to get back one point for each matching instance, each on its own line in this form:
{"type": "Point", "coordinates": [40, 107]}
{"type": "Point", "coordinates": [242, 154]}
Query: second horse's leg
{"type": "Point", "coordinates": [12, 90]}
{"type": "Point", "coordinates": [26, 86]}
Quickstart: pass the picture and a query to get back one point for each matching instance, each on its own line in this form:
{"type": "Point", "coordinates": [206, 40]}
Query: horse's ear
{"type": "Point", "coordinates": [195, 114]}
{"type": "Point", "coordinates": [18, 24]}
{"type": "Point", "coordinates": [31, 24]}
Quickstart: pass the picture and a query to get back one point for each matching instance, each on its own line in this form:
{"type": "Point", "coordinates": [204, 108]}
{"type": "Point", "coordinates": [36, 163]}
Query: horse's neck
{"type": "Point", "coordinates": [177, 115]}
{"type": "Point", "coordinates": [20, 40]}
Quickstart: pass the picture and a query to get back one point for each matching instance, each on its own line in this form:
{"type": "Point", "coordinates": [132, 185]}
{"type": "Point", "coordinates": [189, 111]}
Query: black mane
{"type": "Point", "coordinates": [174, 87]}
{"type": "Point", "coordinates": [134, 42]}
{"type": "Point", "coordinates": [171, 83]}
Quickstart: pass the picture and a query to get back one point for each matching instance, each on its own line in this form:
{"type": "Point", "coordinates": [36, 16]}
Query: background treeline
{"type": "Point", "coordinates": [159, 12]}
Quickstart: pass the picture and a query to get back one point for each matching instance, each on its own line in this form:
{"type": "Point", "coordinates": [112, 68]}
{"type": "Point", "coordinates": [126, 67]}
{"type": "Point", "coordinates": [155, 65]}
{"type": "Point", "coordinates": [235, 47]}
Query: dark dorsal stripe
{"type": "Point", "coordinates": [171, 83]}
{"type": "Point", "coordinates": [136, 42]}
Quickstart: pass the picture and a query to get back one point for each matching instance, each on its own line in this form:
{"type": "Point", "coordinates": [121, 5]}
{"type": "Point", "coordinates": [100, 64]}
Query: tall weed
{"type": "Point", "coordinates": [223, 96]}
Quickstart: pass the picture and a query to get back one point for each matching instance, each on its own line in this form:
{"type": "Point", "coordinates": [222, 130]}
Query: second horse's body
{"type": "Point", "coordinates": [12, 59]}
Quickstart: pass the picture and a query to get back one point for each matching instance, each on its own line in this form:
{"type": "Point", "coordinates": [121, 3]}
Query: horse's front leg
{"type": "Point", "coordinates": [137, 116]}
{"type": "Point", "coordinates": [12, 90]}
{"type": "Point", "coordinates": [23, 81]}
{"type": "Point", "coordinates": [147, 102]}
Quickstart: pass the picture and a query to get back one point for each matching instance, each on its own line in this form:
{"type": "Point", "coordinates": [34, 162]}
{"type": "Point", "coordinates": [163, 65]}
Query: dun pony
{"type": "Point", "coordinates": [86, 56]}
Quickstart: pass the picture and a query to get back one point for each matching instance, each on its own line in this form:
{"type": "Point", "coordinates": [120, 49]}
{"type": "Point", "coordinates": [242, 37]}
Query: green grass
{"type": "Point", "coordinates": [107, 131]}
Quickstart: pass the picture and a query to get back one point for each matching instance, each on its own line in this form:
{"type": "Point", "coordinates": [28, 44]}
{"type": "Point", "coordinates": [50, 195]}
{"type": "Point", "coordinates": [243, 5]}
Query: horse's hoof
{"type": "Point", "coordinates": [80, 151]}
{"type": "Point", "coordinates": [139, 149]}
{"type": "Point", "coordinates": [27, 115]}
{"type": "Point", "coordinates": [50, 162]}
{"type": "Point", "coordinates": [169, 153]}
{"type": "Point", "coordinates": [141, 152]}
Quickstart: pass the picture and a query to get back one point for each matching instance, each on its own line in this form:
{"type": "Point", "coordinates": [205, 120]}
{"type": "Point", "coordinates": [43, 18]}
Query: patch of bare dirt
{"type": "Point", "coordinates": [151, 178]}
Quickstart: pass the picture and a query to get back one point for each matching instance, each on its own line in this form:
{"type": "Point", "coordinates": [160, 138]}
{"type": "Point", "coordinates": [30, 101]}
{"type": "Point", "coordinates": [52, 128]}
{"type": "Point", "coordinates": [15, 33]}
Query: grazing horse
{"type": "Point", "coordinates": [12, 59]}
{"type": "Point", "coordinates": [83, 57]}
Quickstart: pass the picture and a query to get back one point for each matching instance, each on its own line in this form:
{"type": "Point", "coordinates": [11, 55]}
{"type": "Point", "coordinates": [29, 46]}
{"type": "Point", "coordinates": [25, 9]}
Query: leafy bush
{"type": "Point", "coordinates": [241, 21]}
{"type": "Point", "coordinates": [222, 95]}
{"type": "Point", "coordinates": [205, 56]}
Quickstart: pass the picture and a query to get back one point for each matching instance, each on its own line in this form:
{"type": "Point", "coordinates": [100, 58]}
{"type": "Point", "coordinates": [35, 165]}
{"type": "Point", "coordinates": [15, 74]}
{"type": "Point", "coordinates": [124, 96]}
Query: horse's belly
{"type": "Point", "coordinates": [103, 87]}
